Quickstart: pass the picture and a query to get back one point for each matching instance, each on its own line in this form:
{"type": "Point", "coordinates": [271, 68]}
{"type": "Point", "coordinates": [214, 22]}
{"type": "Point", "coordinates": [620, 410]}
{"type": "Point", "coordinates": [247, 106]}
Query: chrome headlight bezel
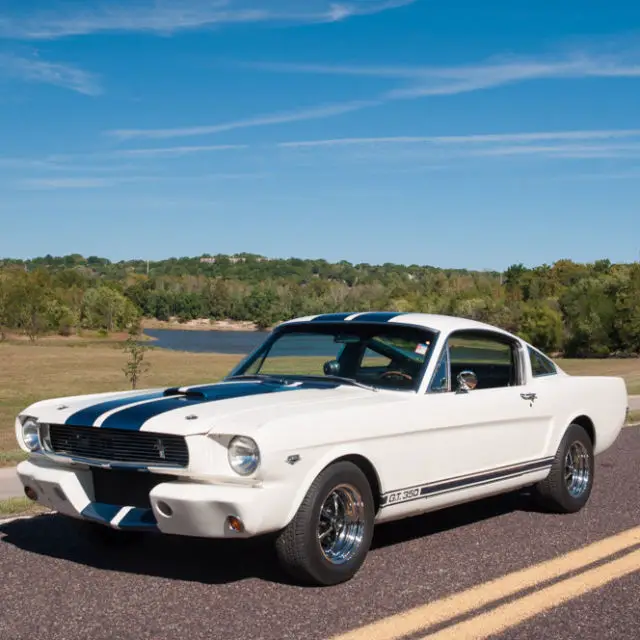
{"type": "Point", "coordinates": [243, 455]}
{"type": "Point", "coordinates": [30, 433]}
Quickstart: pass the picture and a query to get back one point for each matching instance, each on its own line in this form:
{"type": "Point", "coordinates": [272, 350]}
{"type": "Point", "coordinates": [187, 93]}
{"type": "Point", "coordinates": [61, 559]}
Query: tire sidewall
{"type": "Point", "coordinates": [322, 569]}
{"type": "Point", "coordinates": [575, 433]}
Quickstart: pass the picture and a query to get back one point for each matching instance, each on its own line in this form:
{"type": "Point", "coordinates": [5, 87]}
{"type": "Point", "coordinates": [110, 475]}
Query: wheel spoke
{"type": "Point", "coordinates": [341, 524]}
{"type": "Point", "coordinates": [577, 474]}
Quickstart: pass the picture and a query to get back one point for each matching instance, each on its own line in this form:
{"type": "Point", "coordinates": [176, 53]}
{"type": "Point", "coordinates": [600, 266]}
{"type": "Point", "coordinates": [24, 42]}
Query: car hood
{"type": "Point", "coordinates": [241, 404]}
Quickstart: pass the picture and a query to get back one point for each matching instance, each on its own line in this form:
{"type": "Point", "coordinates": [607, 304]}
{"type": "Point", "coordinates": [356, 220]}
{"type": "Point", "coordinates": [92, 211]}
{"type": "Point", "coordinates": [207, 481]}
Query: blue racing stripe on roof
{"type": "Point", "coordinates": [332, 317]}
{"type": "Point", "coordinates": [377, 316]}
{"type": "Point", "coordinates": [87, 416]}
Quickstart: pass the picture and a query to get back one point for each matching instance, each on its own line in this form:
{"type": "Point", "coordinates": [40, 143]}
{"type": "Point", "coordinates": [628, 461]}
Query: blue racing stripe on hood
{"type": "Point", "coordinates": [133, 418]}
{"type": "Point", "coordinates": [87, 416]}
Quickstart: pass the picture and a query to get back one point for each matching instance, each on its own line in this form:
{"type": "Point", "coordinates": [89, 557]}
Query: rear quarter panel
{"type": "Point", "coordinates": [601, 399]}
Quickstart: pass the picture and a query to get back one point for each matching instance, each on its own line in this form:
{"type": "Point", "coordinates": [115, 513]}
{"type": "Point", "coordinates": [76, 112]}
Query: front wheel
{"type": "Point", "coordinates": [568, 486]}
{"type": "Point", "coordinates": [328, 539]}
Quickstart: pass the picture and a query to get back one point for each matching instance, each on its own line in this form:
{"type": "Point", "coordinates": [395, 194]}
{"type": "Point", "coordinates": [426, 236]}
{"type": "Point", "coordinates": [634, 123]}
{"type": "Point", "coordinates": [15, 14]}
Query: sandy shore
{"type": "Point", "coordinates": [200, 324]}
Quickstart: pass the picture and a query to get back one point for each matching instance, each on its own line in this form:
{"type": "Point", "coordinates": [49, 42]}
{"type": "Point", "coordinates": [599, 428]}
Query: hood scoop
{"type": "Point", "coordinates": [192, 394]}
{"type": "Point", "coordinates": [223, 391]}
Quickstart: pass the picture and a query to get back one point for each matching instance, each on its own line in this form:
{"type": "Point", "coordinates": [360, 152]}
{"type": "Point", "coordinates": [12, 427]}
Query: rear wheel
{"type": "Point", "coordinates": [329, 537]}
{"type": "Point", "coordinates": [568, 486]}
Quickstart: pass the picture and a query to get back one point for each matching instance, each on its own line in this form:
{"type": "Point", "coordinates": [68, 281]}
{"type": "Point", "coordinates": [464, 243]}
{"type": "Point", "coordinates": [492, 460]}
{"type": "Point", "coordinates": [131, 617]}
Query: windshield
{"type": "Point", "coordinates": [383, 356]}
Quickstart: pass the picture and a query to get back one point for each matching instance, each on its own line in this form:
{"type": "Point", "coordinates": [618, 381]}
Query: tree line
{"type": "Point", "coordinates": [579, 310]}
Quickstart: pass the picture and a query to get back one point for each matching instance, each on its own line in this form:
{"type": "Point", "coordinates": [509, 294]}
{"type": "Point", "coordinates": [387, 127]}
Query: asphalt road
{"type": "Point", "coordinates": [56, 586]}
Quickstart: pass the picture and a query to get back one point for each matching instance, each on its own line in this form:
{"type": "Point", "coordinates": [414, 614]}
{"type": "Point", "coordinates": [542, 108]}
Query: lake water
{"type": "Point", "coordinates": [228, 342]}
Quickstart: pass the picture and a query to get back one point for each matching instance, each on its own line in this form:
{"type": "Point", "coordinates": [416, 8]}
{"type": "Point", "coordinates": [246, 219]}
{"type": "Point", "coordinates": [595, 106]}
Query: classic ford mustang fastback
{"type": "Point", "coordinates": [335, 423]}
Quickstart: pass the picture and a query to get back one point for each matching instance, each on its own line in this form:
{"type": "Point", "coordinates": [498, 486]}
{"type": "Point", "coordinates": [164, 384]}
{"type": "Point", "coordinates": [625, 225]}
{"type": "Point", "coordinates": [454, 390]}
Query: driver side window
{"type": "Point", "coordinates": [485, 361]}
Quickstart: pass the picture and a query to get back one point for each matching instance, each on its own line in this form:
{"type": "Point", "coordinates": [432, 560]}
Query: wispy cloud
{"type": "Point", "coordinates": [535, 136]}
{"type": "Point", "coordinates": [170, 16]}
{"type": "Point", "coordinates": [313, 113]}
{"type": "Point", "coordinates": [169, 152]}
{"type": "Point", "coordinates": [577, 144]}
{"type": "Point", "coordinates": [34, 69]}
{"type": "Point", "coordinates": [39, 184]}
{"type": "Point", "coordinates": [417, 82]}
{"type": "Point", "coordinates": [96, 161]}
{"type": "Point", "coordinates": [450, 80]}
{"type": "Point", "coordinates": [90, 182]}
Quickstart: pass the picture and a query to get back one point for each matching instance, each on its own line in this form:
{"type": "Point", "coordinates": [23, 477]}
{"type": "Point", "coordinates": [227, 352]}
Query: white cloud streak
{"type": "Point", "coordinates": [166, 17]}
{"type": "Point", "coordinates": [41, 184]}
{"type": "Point", "coordinates": [313, 113]}
{"type": "Point", "coordinates": [535, 136]}
{"type": "Point", "coordinates": [446, 80]}
{"type": "Point", "coordinates": [576, 144]}
{"type": "Point", "coordinates": [84, 182]}
{"type": "Point", "coordinates": [423, 82]}
{"type": "Point", "coordinates": [34, 69]}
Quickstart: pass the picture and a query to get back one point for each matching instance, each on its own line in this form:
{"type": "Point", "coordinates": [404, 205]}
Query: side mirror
{"type": "Point", "coordinates": [467, 380]}
{"type": "Point", "coordinates": [331, 368]}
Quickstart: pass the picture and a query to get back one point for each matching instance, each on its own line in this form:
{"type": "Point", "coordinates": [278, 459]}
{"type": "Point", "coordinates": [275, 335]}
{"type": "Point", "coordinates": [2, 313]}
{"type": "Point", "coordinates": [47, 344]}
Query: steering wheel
{"type": "Point", "coordinates": [400, 374]}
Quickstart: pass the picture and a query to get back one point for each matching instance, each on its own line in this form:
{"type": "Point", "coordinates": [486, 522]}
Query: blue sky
{"type": "Point", "coordinates": [458, 134]}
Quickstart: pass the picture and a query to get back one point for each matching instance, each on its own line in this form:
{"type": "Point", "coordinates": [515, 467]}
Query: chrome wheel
{"type": "Point", "coordinates": [577, 472]}
{"type": "Point", "coordinates": [341, 525]}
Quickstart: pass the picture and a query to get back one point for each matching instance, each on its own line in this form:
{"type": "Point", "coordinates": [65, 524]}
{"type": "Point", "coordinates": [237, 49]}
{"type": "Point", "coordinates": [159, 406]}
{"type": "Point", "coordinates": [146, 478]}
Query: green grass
{"type": "Point", "coordinates": [59, 366]}
{"type": "Point", "coordinates": [633, 417]}
{"type": "Point", "coordinates": [20, 506]}
{"type": "Point", "coordinates": [35, 372]}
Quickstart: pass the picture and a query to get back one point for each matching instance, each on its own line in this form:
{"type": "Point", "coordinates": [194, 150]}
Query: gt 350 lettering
{"type": "Point", "coordinates": [401, 496]}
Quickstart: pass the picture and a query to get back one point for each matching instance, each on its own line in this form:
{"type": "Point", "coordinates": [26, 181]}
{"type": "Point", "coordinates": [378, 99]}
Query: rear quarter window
{"type": "Point", "coordinates": [540, 365]}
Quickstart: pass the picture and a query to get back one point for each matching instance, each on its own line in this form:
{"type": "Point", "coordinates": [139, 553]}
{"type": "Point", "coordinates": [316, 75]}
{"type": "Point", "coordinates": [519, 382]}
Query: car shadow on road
{"type": "Point", "coordinates": [429, 524]}
{"type": "Point", "coordinates": [217, 561]}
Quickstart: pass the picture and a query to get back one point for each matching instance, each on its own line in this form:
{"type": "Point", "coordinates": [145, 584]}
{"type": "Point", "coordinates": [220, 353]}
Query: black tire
{"type": "Point", "coordinates": [552, 493]}
{"type": "Point", "coordinates": [297, 546]}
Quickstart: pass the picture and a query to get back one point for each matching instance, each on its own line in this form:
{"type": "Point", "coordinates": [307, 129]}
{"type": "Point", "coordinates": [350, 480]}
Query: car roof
{"type": "Point", "coordinates": [443, 323]}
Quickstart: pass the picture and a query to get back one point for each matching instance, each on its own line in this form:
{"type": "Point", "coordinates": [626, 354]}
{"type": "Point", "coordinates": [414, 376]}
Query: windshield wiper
{"type": "Point", "coordinates": [298, 377]}
{"type": "Point", "coordinates": [350, 381]}
{"type": "Point", "coordinates": [263, 377]}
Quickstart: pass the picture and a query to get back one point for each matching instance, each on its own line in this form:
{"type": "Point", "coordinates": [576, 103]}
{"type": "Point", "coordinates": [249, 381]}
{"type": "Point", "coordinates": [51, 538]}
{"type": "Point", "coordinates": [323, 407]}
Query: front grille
{"type": "Point", "coordinates": [124, 487]}
{"type": "Point", "coordinates": [114, 445]}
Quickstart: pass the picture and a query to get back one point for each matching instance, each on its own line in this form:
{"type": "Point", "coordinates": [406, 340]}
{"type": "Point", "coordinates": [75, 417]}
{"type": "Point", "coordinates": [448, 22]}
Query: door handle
{"type": "Point", "coordinates": [529, 396]}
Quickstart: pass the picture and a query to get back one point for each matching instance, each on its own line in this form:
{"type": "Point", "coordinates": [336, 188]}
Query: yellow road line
{"type": "Point", "coordinates": [514, 613]}
{"type": "Point", "coordinates": [464, 602]}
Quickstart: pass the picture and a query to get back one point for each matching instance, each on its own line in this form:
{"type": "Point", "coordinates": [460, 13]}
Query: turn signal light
{"type": "Point", "coordinates": [235, 524]}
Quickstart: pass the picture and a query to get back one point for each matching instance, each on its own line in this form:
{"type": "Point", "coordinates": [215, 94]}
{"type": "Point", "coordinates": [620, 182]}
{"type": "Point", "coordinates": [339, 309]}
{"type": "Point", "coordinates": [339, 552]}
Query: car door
{"type": "Point", "coordinates": [492, 431]}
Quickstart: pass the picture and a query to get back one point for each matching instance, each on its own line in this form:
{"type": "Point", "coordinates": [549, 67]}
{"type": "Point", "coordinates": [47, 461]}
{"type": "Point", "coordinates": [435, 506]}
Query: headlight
{"type": "Point", "coordinates": [30, 435]}
{"type": "Point", "coordinates": [244, 455]}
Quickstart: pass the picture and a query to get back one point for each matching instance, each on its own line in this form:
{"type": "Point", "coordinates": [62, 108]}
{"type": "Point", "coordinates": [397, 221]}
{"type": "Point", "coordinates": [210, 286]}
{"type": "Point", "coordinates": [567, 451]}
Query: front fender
{"type": "Point", "coordinates": [321, 463]}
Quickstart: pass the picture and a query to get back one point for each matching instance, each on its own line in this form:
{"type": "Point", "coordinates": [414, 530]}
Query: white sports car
{"type": "Point", "coordinates": [335, 423]}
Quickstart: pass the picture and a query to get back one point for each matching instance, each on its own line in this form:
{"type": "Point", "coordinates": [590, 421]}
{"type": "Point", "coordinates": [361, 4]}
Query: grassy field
{"type": "Point", "coordinates": [57, 367]}
{"type": "Point", "coordinates": [33, 372]}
